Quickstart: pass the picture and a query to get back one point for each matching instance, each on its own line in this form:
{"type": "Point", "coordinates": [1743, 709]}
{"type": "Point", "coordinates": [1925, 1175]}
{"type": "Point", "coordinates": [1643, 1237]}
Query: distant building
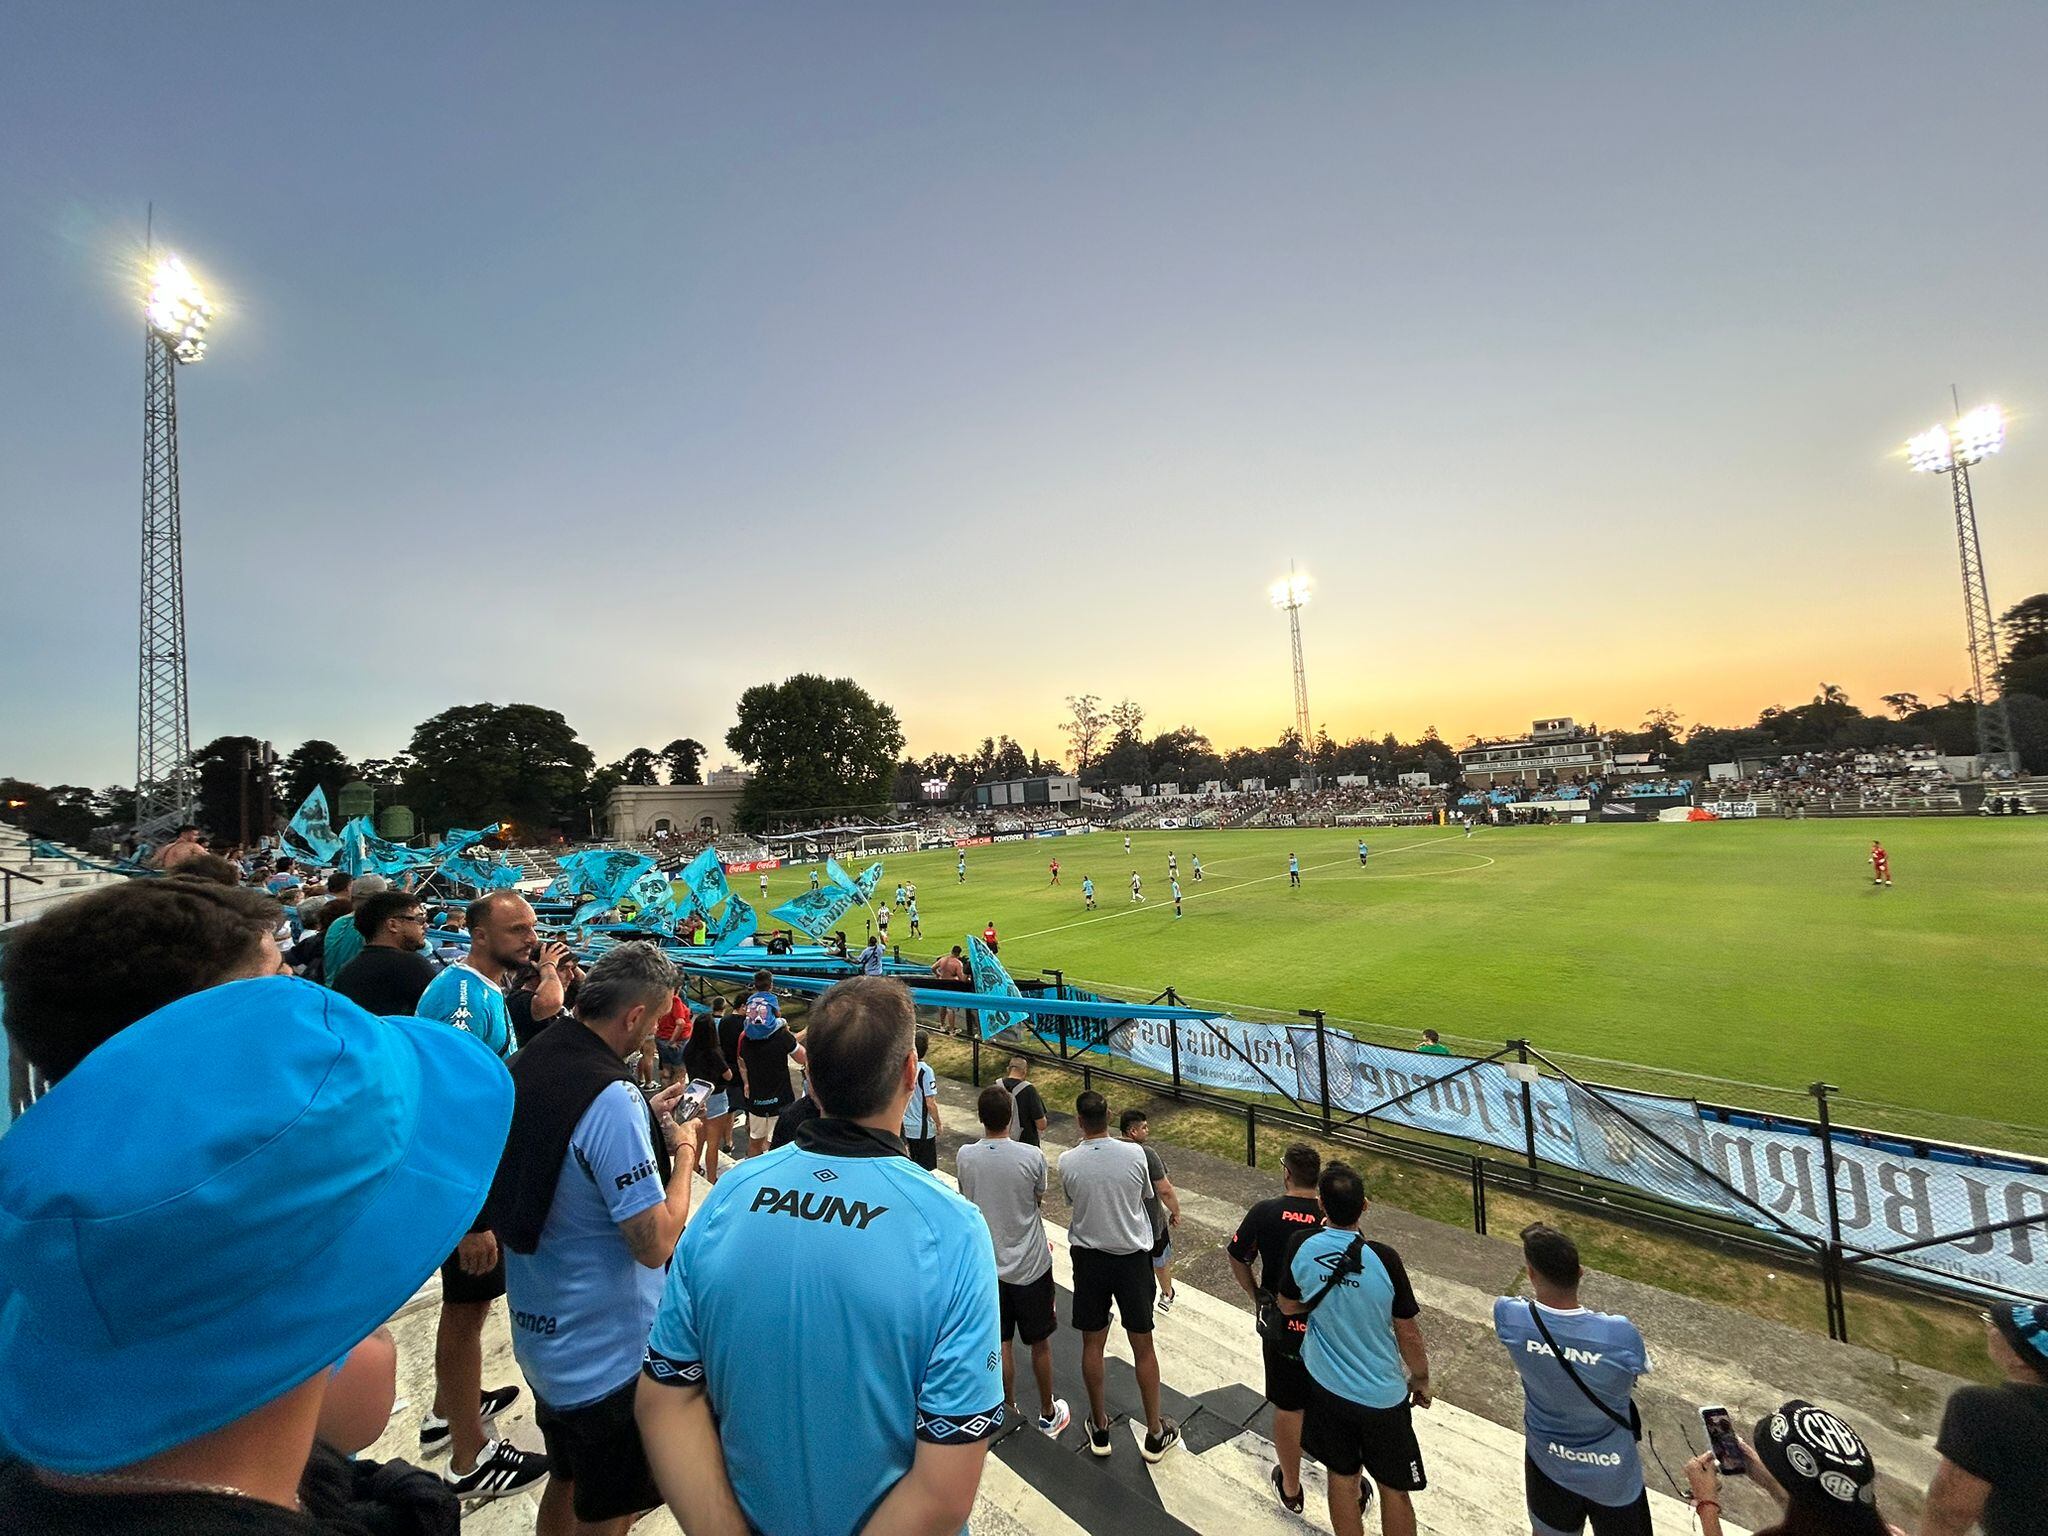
{"type": "Point", "coordinates": [1558, 748]}
{"type": "Point", "coordinates": [637, 811]}
{"type": "Point", "coordinates": [1047, 789]}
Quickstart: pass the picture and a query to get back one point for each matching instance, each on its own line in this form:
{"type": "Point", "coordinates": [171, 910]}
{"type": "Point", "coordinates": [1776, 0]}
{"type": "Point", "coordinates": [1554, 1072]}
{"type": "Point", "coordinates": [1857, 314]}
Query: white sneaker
{"type": "Point", "coordinates": [1053, 1423]}
{"type": "Point", "coordinates": [1165, 1301]}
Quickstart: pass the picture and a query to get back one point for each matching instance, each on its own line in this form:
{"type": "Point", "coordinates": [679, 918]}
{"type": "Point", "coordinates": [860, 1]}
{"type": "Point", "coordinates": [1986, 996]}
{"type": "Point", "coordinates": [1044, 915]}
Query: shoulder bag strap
{"type": "Point", "coordinates": [1350, 1264]}
{"type": "Point", "coordinates": [1558, 1354]}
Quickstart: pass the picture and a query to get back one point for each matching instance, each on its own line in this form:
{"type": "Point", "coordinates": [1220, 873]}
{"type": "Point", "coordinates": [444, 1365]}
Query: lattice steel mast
{"type": "Point", "coordinates": [176, 315]}
{"type": "Point", "coordinates": [1291, 595]}
{"type": "Point", "coordinates": [1951, 451]}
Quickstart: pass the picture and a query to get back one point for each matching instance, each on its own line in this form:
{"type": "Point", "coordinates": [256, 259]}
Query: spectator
{"type": "Point", "coordinates": [1109, 1239]}
{"type": "Point", "coordinates": [344, 940]}
{"type": "Point", "coordinates": [225, 1283]}
{"type": "Point", "coordinates": [1815, 1466]}
{"type": "Point", "coordinates": [1269, 1233]}
{"type": "Point", "coordinates": [705, 1061]}
{"type": "Point", "coordinates": [952, 970]}
{"type": "Point", "coordinates": [1366, 1363]}
{"type": "Point", "coordinates": [88, 968]}
{"type": "Point", "coordinates": [872, 956]}
{"type": "Point", "coordinates": [1578, 1371]}
{"type": "Point", "coordinates": [590, 1198]}
{"type": "Point", "coordinates": [1162, 1205]}
{"type": "Point", "coordinates": [532, 1008]}
{"type": "Point", "coordinates": [1006, 1180]}
{"type": "Point", "coordinates": [471, 996]}
{"type": "Point", "coordinates": [731, 1023]}
{"type": "Point", "coordinates": [1432, 1044]}
{"type": "Point", "coordinates": [210, 867]}
{"type": "Point", "coordinates": [188, 844]}
{"type": "Point", "coordinates": [764, 1069]}
{"type": "Point", "coordinates": [1994, 1440]}
{"type": "Point", "coordinates": [1028, 1121]}
{"type": "Point", "coordinates": [672, 1035]}
{"type": "Point", "coordinates": [392, 972]}
{"type": "Point", "coordinates": [921, 1125]}
{"type": "Point", "coordinates": [852, 1316]}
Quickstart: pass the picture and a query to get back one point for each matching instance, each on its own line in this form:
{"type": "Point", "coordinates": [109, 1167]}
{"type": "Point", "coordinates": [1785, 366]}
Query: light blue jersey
{"type": "Point", "coordinates": [1350, 1348]}
{"type": "Point", "coordinates": [470, 1001]}
{"type": "Point", "coordinates": [832, 1283]}
{"type": "Point", "coordinates": [918, 1124]}
{"type": "Point", "coordinates": [1575, 1444]}
{"type": "Point", "coordinates": [581, 1303]}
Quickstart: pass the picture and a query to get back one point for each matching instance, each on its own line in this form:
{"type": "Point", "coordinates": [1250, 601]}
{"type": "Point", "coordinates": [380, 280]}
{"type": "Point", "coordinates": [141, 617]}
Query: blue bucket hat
{"type": "Point", "coordinates": [222, 1201]}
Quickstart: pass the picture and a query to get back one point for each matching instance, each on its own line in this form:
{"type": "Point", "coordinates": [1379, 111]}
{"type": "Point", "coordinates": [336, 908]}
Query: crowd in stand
{"type": "Point", "coordinates": [270, 1124]}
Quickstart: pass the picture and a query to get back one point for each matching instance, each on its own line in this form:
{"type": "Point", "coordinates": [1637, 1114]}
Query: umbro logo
{"type": "Point", "coordinates": [826, 1174]}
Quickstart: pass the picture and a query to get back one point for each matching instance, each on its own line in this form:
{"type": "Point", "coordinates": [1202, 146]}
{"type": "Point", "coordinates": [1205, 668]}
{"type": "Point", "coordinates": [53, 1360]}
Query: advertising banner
{"type": "Point", "coordinates": [750, 866]}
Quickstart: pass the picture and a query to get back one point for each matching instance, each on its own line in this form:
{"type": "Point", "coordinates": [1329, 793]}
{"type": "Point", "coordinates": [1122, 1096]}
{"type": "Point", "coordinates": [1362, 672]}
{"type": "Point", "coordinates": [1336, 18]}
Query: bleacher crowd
{"type": "Point", "coordinates": [268, 1126]}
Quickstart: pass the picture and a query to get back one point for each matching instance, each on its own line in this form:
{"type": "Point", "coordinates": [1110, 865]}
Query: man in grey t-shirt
{"type": "Point", "coordinates": [1110, 1237]}
{"type": "Point", "coordinates": [1162, 1203]}
{"type": "Point", "coordinates": [1006, 1180]}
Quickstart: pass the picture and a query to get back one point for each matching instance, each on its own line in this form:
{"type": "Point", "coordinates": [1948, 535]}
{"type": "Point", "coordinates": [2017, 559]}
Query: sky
{"type": "Point", "coordinates": [618, 358]}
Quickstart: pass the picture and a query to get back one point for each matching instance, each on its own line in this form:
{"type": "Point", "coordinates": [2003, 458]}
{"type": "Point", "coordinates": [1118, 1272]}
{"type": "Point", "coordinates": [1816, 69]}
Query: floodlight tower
{"type": "Point", "coordinates": [175, 316]}
{"type": "Point", "coordinates": [1951, 451]}
{"type": "Point", "coordinates": [1291, 596]}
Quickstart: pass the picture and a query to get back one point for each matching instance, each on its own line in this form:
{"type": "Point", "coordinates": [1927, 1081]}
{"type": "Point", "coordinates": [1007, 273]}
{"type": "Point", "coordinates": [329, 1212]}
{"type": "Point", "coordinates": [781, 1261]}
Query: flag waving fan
{"type": "Point", "coordinates": [990, 979]}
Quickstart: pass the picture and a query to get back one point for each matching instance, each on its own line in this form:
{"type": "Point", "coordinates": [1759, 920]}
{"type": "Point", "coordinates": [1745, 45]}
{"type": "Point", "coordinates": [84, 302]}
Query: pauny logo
{"type": "Point", "coordinates": [815, 1207]}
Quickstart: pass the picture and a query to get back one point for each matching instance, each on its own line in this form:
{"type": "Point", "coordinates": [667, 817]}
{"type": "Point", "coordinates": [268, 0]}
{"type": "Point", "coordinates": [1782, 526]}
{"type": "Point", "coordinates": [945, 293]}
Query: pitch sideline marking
{"type": "Point", "coordinates": [1132, 910]}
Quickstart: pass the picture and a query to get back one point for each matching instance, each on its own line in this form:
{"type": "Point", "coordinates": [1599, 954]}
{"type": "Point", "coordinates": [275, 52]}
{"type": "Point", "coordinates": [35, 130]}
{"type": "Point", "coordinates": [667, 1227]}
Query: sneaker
{"type": "Point", "coordinates": [1165, 1301]}
{"type": "Point", "coordinates": [501, 1470]}
{"type": "Point", "coordinates": [434, 1431]}
{"type": "Point", "coordinates": [1098, 1438]}
{"type": "Point", "coordinates": [1056, 1421]}
{"type": "Point", "coordinates": [1158, 1445]}
{"type": "Point", "coordinates": [1293, 1505]}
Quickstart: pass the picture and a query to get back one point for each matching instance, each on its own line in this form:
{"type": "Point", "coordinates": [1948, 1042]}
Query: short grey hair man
{"type": "Point", "coordinates": [632, 975]}
{"type": "Point", "coordinates": [367, 885]}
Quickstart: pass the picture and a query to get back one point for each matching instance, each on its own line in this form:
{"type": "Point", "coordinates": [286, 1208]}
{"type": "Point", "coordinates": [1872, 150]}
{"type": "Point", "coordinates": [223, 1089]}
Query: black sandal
{"type": "Point", "coordinates": [1293, 1505]}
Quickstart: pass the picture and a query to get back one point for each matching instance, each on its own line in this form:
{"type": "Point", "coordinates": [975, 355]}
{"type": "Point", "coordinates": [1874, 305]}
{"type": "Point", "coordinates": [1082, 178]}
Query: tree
{"type": "Point", "coordinates": [63, 813]}
{"type": "Point", "coordinates": [479, 763]}
{"type": "Point", "coordinates": [2026, 628]}
{"type": "Point", "coordinates": [1125, 762]}
{"type": "Point", "coordinates": [384, 772]}
{"type": "Point", "coordinates": [314, 764]}
{"type": "Point", "coordinates": [815, 744]}
{"type": "Point", "coordinates": [638, 767]}
{"type": "Point", "coordinates": [1903, 704]}
{"type": "Point", "coordinates": [229, 768]}
{"type": "Point", "coordinates": [1660, 725]}
{"type": "Point", "coordinates": [1010, 762]}
{"type": "Point", "coordinates": [1084, 727]}
{"type": "Point", "coordinates": [1127, 717]}
{"type": "Point", "coordinates": [2025, 676]}
{"type": "Point", "coordinates": [684, 759]}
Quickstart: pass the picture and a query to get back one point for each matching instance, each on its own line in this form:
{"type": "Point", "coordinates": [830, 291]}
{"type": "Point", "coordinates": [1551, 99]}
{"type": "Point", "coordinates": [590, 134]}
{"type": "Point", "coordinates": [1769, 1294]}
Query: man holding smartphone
{"type": "Point", "coordinates": [1578, 1371]}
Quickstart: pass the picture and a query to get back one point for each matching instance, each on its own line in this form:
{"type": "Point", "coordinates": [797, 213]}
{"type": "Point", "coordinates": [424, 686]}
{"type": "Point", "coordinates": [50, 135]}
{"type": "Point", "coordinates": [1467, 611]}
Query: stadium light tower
{"type": "Point", "coordinates": [1951, 451]}
{"type": "Point", "coordinates": [175, 317]}
{"type": "Point", "coordinates": [1291, 596]}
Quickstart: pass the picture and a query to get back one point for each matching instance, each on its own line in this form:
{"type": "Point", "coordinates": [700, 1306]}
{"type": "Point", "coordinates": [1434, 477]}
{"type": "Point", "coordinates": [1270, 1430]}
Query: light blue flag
{"type": "Point", "coordinates": [479, 874]}
{"type": "Point", "coordinates": [311, 838]}
{"type": "Point", "coordinates": [990, 979]}
{"type": "Point", "coordinates": [705, 876]}
{"type": "Point", "coordinates": [656, 899]}
{"type": "Point", "coordinates": [869, 879]}
{"type": "Point", "coordinates": [455, 840]}
{"type": "Point", "coordinates": [840, 877]}
{"type": "Point", "coordinates": [606, 874]}
{"type": "Point", "coordinates": [814, 912]}
{"type": "Point", "coordinates": [363, 852]}
{"type": "Point", "coordinates": [735, 926]}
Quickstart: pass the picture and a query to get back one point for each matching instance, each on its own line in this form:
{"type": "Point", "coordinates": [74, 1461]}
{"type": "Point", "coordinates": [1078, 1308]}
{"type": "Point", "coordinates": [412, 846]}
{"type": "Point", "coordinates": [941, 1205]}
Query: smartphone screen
{"type": "Point", "coordinates": [1721, 1437]}
{"type": "Point", "coordinates": [692, 1103]}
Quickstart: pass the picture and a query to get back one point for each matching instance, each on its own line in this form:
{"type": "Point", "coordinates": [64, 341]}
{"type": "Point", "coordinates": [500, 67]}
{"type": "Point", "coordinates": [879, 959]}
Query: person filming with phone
{"type": "Point", "coordinates": [1578, 1371]}
{"type": "Point", "coordinates": [591, 1195]}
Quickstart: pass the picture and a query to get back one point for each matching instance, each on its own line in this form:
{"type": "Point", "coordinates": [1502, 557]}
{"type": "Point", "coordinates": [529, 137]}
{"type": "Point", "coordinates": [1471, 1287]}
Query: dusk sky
{"type": "Point", "coordinates": [615, 358]}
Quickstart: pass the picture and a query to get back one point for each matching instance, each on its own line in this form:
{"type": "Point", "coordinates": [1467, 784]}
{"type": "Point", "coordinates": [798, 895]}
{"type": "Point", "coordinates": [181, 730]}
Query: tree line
{"type": "Point", "coordinates": [823, 747]}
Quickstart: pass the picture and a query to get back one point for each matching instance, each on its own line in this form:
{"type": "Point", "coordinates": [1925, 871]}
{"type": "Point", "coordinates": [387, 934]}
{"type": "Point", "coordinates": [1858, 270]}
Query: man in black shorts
{"type": "Point", "coordinates": [1269, 1233]}
{"type": "Point", "coordinates": [1110, 1238]}
{"type": "Point", "coordinates": [1006, 1180]}
{"type": "Point", "coordinates": [1366, 1363]}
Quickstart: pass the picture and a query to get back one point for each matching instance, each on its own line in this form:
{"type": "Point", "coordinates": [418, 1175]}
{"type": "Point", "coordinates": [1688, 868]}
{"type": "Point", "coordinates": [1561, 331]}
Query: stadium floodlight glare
{"type": "Point", "coordinates": [1950, 451]}
{"type": "Point", "coordinates": [176, 308]}
{"type": "Point", "coordinates": [1290, 593]}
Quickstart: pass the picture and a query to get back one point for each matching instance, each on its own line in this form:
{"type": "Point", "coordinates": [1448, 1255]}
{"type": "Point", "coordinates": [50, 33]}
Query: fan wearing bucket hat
{"type": "Point", "coordinates": [166, 1337]}
{"type": "Point", "coordinates": [1994, 1440]}
{"type": "Point", "coordinates": [1815, 1466]}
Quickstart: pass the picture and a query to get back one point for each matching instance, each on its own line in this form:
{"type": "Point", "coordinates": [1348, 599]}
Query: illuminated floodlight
{"type": "Point", "coordinates": [1290, 593]}
{"type": "Point", "coordinates": [1930, 452]}
{"type": "Point", "coordinates": [176, 308]}
{"type": "Point", "coordinates": [1978, 434]}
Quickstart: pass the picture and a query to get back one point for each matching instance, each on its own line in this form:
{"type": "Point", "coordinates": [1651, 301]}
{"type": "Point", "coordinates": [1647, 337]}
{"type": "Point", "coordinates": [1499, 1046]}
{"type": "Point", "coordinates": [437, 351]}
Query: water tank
{"type": "Point", "coordinates": [357, 799]}
{"type": "Point", "coordinates": [397, 823]}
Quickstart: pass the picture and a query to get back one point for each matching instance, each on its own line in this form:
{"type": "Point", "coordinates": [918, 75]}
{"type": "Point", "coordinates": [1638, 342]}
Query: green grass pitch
{"type": "Point", "coordinates": [1757, 951]}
